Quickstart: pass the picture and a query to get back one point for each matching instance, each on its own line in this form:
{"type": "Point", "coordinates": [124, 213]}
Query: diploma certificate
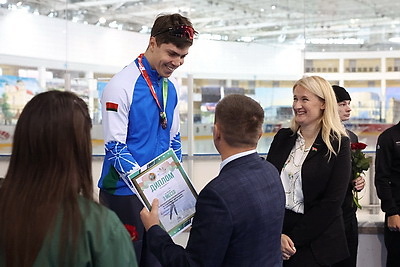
{"type": "Point", "coordinates": [164, 178]}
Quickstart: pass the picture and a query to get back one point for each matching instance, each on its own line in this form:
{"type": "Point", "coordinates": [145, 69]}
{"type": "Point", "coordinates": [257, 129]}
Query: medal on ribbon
{"type": "Point", "coordinates": [163, 120]}
{"type": "Point", "coordinates": [163, 114]}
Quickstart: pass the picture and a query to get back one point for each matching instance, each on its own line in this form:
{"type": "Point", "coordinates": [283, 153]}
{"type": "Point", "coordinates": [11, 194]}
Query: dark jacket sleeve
{"type": "Point", "coordinates": [383, 172]}
{"type": "Point", "coordinates": [209, 236]}
{"type": "Point", "coordinates": [164, 248]}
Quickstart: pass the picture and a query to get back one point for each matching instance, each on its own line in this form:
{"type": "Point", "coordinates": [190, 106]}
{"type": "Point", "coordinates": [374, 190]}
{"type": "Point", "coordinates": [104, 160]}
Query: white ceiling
{"type": "Point", "coordinates": [370, 24]}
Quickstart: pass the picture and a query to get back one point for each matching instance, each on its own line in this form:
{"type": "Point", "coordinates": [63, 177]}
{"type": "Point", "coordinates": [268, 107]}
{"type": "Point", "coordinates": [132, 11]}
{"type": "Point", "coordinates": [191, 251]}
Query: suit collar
{"type": "Point", "coordinates": [237, 158]}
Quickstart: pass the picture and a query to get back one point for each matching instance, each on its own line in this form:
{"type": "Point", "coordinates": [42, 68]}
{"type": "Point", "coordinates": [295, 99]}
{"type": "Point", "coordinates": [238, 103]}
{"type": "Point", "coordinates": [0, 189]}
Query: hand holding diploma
{"type": "Point", "coordinates": [150, 218]}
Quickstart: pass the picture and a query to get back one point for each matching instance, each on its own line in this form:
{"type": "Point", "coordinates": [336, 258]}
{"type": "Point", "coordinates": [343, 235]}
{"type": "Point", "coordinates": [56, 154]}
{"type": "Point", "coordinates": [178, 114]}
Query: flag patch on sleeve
{"type": "Point", "coordinates": [111, 106]}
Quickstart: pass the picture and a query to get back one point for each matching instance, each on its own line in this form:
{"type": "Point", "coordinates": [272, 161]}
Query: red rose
{"type": "Point", "coordinates": [359, 163]}
{"type": "Point", "coordinates": [132, 232]}
{"type": "Point", "coordinates": [359, 146]}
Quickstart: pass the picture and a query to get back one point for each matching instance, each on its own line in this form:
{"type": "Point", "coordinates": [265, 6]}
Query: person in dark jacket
{"type": "Point", "coordinates": [313, 158]}
{"type": "Point", "coordinates": [239, 214]}
{"type": "Point", "coordinates": [387, 183]}
{"type": "Point", "coordinates": [349, 208]}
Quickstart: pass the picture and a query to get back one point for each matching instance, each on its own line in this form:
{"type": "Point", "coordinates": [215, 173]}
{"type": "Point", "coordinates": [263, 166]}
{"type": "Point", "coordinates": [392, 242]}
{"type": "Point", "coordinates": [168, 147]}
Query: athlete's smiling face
{"type": "Point", "coordinates": [165, 58]}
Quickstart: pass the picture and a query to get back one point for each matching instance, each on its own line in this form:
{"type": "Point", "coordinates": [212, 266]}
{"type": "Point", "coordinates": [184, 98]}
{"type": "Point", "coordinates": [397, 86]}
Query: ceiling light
{"type": "Point", "coordinates": [2, 2]}
{"type": "Point", "coordinates": [394, 39]}
{"type": "Point", "coordinates": [113, 24]}
{"type": "Point", "coordinates": [216, 37]}
{"type": "Point", "coordinates": [102, 20]}
{"type": "Point", "coordinates": [273, 7]}
{"type": "Point", "coordinates": [281, 38]}
{"type": "Point", "coordinates": [246, 39]}
{"type": "Point", "coordinates": [337, 41]}
{"type": "Point", "coordinates": [145, 29]}
{"type": "Point", "coordinates": [354, 21]}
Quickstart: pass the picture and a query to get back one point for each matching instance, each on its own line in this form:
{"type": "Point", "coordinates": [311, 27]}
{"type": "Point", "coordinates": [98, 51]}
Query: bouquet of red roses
{"type": "Point", "coordinates": [359, 163]}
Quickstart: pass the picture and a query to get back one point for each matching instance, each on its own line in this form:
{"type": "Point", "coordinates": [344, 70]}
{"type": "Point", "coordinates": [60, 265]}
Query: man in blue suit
{"type": "Point", "coordinates": [239, 214]}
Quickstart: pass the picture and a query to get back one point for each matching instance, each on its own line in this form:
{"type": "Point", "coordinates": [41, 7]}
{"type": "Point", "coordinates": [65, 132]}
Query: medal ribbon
{"type": "Point", "coordinates": [153, 92]}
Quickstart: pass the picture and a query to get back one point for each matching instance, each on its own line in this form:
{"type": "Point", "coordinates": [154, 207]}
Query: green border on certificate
{"type": "Point", "coordinates": [164, 178]}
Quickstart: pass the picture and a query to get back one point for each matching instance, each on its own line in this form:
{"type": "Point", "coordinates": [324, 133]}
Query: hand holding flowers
{"type": "Point", "coordinates": [359, 183]}
{"type": "Point", "coordinates": [359, 163]}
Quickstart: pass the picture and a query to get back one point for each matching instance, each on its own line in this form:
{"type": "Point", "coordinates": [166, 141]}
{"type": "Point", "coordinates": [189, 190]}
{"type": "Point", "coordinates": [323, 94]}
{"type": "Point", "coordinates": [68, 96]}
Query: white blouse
{"type": "Point", "coordinates": [291, 175]}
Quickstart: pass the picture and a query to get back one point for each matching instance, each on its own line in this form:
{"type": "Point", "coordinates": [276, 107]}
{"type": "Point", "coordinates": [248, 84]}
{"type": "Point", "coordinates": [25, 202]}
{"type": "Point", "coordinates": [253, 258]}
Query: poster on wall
{"type": "Point", "coordinates": [15, 92]}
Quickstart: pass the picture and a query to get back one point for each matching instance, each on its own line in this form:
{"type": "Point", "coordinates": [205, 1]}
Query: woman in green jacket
{"type": "Point", "coordinates": [47, 213]}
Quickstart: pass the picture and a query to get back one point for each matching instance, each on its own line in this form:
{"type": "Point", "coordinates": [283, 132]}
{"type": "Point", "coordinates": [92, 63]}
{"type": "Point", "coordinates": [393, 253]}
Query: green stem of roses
{"type": "Point", "coordinates": [355, 199]}
{"type": "Point", "coordinates": [355, 194]}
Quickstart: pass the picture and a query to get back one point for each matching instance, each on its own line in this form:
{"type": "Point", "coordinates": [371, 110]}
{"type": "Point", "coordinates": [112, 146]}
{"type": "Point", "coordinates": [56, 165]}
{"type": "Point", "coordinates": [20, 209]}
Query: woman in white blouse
{"type": "Point", "coordinates": [313, 157]}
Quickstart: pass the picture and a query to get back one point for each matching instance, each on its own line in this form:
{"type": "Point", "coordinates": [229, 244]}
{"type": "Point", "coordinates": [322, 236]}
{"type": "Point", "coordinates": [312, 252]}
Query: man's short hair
{"type": "Point", "coordinates": [173, 28]}
{"type": "Point", "coordinates": [240, 120]}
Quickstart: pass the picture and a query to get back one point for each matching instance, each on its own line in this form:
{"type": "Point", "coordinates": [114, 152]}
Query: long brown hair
{"type": "Point", "coordinates": [50, 166]}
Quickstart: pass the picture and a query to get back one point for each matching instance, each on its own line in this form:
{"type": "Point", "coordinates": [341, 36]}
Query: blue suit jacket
{"type": "Point", "coordinates": [238, 220]}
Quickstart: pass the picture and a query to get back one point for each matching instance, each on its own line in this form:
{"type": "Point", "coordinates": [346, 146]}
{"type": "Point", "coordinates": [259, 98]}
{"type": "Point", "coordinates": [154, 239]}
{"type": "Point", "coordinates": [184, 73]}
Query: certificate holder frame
{"type": "Point", "coordinates": [164, 178]}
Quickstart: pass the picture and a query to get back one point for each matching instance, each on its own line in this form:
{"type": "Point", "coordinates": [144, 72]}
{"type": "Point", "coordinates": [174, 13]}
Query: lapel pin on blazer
{"type": "Point", "coordinates": [314, 149]}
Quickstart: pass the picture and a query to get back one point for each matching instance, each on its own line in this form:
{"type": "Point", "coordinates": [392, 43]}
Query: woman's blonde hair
{"type": "Point", "coordinates": [330, 124]}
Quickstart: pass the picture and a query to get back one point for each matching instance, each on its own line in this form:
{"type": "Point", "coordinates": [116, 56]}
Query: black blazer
{"type": "Point", "coordinates": [387, 170]}
{"type": "Point", "coordinates": [324, 184]}
{"type": "Point", "coordinates": [238, 220]}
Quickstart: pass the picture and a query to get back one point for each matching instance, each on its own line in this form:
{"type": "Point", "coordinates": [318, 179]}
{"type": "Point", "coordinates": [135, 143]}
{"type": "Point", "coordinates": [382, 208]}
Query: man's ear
{"type": "Point", "coordinates": [152, 43]}
{"type": "Point", "coordinates": [216, 131]}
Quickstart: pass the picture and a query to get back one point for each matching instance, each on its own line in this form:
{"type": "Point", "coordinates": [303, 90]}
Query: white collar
{"type": "Point", "coordinates": [236, 156]}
